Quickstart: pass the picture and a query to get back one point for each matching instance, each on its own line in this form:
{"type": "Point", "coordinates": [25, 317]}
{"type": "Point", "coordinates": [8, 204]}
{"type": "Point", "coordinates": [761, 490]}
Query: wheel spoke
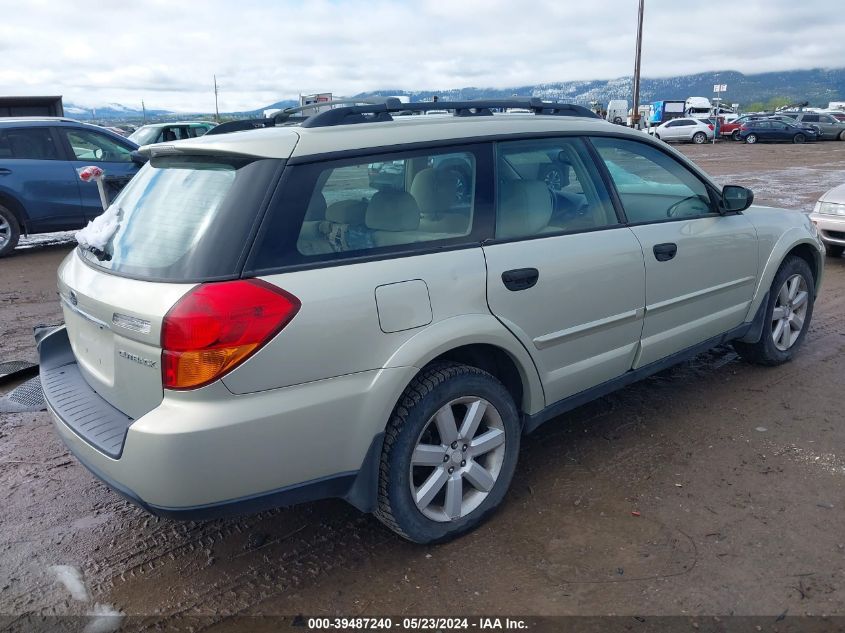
{"type": "Point", "coordinates": [486, 442]}
{"type": "Point", "coordinates": [778, 313]}
{"type": "Point", "coordinates": [785, 335]}
{"type": "Point", "coordinates": [793, 287]}
{"type": "Point", "coordinates": [454, 497]}
{"type": "Point", "coordinates": [776, 334]}
{"type": "Point", "coordinates": [431, 487]}
{"type": "Point", "coordinates": [472, 419]}
{"type": "Point", "coordinates": [783, 295]}
{"type": "Point", "coordinates": [796, 322]}
{"type": "Point", "coordinates": [479, 477]}
{"type": "Point", "coordinates": [428, 455]}
{"type": "Point", "coordinates": [446, 425]}
{"type": "Point", "coordinates": [799, 300]}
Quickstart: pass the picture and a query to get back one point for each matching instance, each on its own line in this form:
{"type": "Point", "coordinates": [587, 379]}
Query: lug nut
{"type": "Point", "coordinates": [445, 458]}
{"type": "Point", "coordinates": [464, 448]}
{"type": "Point", "coordinates": [451, 469]}
{"type": "Point", "coordinates": [463, 462]}
{"type": "Point", "coordinates": [454, 445]}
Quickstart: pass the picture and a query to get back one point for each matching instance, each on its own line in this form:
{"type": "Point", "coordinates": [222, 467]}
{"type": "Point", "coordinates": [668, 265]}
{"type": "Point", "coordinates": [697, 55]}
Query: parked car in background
{"type": "Point", "coordinates": [829, 127]}
{"type": "Point", "coordinates": [774, 130]}
{"type": "Point", "coordinates": [829, 216]}
{"type": "Point", "coordinates": [278, 331]}
{"type": "Point", "coordinates": [685, 130]}
{"type": "Point", "coordinates": [731, 128]}
{"type": "Point", "coordinates": [175, 131]}
{"type": "Point", "coordinates": [40, 190]}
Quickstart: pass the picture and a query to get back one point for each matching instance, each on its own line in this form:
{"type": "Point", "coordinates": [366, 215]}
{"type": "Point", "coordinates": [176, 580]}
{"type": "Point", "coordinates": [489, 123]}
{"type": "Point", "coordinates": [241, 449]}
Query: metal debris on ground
{"type": "Point", "coordinates": [24, 398]}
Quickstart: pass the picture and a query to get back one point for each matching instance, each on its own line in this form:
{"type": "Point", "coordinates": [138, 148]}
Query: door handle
{"type": "Point", "coordinates": [665, 252]}
{"type": "Point", "coordinates": [520, 278]}
{"type": "Point", "coordinates": [4, 171]}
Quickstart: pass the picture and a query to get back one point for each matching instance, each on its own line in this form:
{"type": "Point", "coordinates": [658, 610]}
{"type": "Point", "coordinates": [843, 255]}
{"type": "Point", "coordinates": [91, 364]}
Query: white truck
{"type": "Point", "coordinates": [617, 111]}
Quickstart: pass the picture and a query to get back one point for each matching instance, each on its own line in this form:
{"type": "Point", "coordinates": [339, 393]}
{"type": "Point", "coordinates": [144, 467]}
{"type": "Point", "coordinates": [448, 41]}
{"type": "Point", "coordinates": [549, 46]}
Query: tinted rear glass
{"type": "Point", "coordinates": [187, 218]}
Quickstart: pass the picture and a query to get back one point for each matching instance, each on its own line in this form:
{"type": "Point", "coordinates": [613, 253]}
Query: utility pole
{"type": "Point", "coordinates": [216, 109]}
{"type": "Point", "coordinates": [144, 110]}
{"type": "Point", "coordinates": [635, 115]}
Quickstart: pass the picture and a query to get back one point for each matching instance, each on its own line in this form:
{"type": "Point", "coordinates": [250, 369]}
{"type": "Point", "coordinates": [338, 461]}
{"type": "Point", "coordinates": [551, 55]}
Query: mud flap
{"type": "Point", "coordinates": [755, 331]}
{"type": "Point", "coordinates": [14, 369]}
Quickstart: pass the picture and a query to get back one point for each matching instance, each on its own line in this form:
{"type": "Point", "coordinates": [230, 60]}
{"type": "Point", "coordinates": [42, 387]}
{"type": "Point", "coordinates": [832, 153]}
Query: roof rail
{"type": "Point", "coordinates": [371, 113]}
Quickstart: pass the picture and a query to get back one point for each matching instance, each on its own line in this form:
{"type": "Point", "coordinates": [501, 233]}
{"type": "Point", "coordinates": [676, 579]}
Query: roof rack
{"type": "Point", "coordinates": [351, 111]}
{"type": "Point", "coordinates": [374, 112]}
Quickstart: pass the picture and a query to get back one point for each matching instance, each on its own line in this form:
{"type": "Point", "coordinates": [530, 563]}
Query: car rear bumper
{"type": "Point", "coordinates": [207, 452]}
{"type": "Point", "coordinates": [831, 228]}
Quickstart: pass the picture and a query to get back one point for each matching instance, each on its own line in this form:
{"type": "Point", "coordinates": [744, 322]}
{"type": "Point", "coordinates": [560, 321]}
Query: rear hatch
{"type": "Point", "coordinates": [183, 220]}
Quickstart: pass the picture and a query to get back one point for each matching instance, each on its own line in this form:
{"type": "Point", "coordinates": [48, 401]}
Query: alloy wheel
{"type": "Point", "coordinates": [789, 312]}
{"type": "Point", "coordinates": [5, 232]}
{"type": "Point", "coordinates": [457, 459]}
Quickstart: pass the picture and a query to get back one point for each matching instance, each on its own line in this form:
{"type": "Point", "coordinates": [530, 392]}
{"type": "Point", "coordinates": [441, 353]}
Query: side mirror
{"type": "Point", "coordinates": [138, 158]}
{"type": "Point", "coordinates": [736, 198]}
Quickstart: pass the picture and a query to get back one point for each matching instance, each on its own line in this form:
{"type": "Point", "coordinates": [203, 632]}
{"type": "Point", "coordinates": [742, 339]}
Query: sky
{"type": "Point", "coordinates": [166, 51]}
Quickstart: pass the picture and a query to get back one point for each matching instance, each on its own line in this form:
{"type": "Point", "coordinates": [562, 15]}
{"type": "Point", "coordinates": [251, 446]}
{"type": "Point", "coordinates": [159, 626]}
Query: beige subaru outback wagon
{"type": "Point", "coordinates": [370, 304]}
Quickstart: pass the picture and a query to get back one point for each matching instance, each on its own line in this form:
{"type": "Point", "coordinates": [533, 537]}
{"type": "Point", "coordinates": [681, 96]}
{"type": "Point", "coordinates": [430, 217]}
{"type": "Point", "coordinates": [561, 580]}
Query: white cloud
{"type": "Point", "coordinates": [165, 52]}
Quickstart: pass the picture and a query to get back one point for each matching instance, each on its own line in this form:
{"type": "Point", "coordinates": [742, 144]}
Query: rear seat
{"type": "Point", "coordinates": [393, 217]}
{"type": "Point", "coordinates": [332, 234]}
{"type": "Point", "coordinates": [435, 192]}
{"type": "Point", "coordinates": [525, 208]}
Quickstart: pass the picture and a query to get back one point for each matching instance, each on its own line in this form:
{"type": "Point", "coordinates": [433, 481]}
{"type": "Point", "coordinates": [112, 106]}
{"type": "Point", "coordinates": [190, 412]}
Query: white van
{"type": "Point", "coordinates": [698, 107]}
{"type": "Point", "coordinates": [617, 111]}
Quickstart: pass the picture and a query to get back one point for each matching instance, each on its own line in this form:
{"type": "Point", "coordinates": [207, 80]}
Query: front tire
{"type": "Point", "coordinates": [699, 138]}
{"type": "Point", "coordinates": [10, 231]}
{"type": "Point", "coordinates": [735, 135]}
{"type": "Point", "coordinates": [751, 139]}
{"type": "Point", "coordinates": [450, 451]}
{"type": "Point", "coordinates": [798, 139]}
{"type": "Point", "coordinates": [842, 135]}
{"type": "Point", "coordinates": [787, 317]}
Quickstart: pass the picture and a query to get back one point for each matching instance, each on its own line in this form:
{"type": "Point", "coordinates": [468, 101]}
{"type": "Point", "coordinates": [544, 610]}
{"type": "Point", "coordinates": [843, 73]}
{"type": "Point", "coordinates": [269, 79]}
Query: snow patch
{"type": "Point", "coordinates": [100, 230]}
{"type": "Point", "coordinates": [71, 578]}
{"type": "Point", "coordinates": [104, 619]}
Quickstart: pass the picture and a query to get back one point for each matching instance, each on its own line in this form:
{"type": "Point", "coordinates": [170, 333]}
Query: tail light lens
{"type": "Point", "coordinates": [217, 326]}
{"type": "Point", "coordinates": [710, 125]}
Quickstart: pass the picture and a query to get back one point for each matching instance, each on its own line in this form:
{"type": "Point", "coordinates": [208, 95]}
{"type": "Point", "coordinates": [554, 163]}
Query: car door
{"type": "Point", "coordinates": [34, 171]}
{"type": "Point", "coordinates": [563, 273]}
{"type": "Point", "coordinates": [111, 154]}
{"type": "Point", "coordinates": [672, 130]}
{"type": "Point", "coordinates": [700, 266]}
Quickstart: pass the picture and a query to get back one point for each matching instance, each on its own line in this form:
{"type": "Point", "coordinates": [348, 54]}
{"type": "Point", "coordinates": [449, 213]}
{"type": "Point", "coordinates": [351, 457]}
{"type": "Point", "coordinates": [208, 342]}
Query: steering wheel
{"type": "Point", "coordinates": [672, 210]}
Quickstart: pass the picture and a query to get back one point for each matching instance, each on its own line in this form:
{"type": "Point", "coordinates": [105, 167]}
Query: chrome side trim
{"type": "Point", "coordinates": [662, 305]}
{"type": "Point", "coordinates": [554, 338]}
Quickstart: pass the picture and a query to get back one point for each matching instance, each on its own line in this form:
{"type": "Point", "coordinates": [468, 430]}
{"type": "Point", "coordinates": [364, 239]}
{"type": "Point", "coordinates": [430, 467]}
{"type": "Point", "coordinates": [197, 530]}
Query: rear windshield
{"type": "Point", "coordinates": [186, 218]}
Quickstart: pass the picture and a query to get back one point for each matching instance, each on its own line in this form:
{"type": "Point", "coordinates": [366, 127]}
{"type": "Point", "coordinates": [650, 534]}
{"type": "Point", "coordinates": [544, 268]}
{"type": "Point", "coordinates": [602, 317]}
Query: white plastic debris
{"type": "Point", "coordinates": [71, 578]}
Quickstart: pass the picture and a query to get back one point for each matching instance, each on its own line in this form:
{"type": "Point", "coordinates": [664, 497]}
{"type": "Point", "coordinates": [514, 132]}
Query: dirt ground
{"type": "Point", "coordinates": [737, 473]}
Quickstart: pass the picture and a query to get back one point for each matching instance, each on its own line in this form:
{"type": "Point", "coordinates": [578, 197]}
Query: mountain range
{"type": "Point", "coordinates": [818, 86]}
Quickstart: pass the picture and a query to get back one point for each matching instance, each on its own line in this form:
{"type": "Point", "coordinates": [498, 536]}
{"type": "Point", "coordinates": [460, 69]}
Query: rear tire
{"type": "Point", "coordinates": [735, 135]}
{"type": "Point", "coordinates": [834, 250]}
{"type": "Point", "coordinates": [426, 493]}
{"type": "Point", "coordinates": [842, 135]}
{"type": "Point", "coordinates": [699, 138]}
{"type": "Point", "coordinates": [10, 231]}
{"type": "Point", "coordinates": [792, 294]}
{"type": "Point", "coordinates": [751, 139]}
{"type": "Point", "coordinates": [798, 139]}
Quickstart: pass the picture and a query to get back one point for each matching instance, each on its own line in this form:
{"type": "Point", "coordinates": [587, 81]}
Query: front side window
{"type": "Point", "coordinates": [548, 186]}
{"type": "Point", "coordinates": [371, 204]}
{"type": "Point", "coordinates": [92, 146]}
{"type": "Point", "coordinates": [32, 143]}
{"type": "Point", "coordinates": [652, 185]}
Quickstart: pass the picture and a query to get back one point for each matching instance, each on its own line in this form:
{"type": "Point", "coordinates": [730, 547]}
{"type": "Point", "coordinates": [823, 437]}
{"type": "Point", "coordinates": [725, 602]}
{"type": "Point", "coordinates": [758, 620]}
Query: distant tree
{"type": "Point", "coordinates": [778, 102]}
{"type": "Point", "coordinates": [757, 106]}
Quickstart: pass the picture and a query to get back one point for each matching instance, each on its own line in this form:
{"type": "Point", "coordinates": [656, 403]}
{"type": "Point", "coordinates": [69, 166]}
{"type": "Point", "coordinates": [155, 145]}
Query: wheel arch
{"type": "Point", "coordinates": [794, 242]}
{"type": "Point", "coordinates": [14, 205]}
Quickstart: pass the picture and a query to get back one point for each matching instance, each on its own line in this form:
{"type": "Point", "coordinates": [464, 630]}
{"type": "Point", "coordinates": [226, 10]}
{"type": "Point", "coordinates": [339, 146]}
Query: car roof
{"type": "Point", "coordinates": [295, 141]}
{"type": "Point", "coordinates": [37, 119]}
{"type": "Point", "coordinates": [166, 123]}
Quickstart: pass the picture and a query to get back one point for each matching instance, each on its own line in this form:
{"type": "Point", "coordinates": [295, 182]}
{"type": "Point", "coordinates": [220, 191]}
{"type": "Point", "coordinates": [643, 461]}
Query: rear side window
{"type": "Point", "coordinates": [31, 143]}
{"type": "Point", "coordinates": [365, 206]}
{"type": "Point", "coordinates": [91, 146]}
{"type": "Point", "coordinates": [186, 218]}
{"type": "Point", "coordinates": [548, 186]}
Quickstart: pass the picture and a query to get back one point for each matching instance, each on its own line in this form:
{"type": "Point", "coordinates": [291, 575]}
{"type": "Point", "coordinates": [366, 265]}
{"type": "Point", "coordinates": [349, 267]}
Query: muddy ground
{"type": "Point", "coordinates": [737, 473]}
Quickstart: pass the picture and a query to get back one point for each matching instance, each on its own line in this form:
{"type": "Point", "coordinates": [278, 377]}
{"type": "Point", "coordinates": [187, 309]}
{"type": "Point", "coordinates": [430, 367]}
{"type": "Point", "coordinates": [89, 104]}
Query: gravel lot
{"type": "Point", "coordinates": [737, 473]}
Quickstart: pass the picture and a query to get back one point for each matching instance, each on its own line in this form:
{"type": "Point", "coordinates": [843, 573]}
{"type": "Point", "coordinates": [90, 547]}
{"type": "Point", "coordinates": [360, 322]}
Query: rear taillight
{"type": "Point", "coordinates": [217, 326]}
{"type": "Point", "coordinates": [710, 125]}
